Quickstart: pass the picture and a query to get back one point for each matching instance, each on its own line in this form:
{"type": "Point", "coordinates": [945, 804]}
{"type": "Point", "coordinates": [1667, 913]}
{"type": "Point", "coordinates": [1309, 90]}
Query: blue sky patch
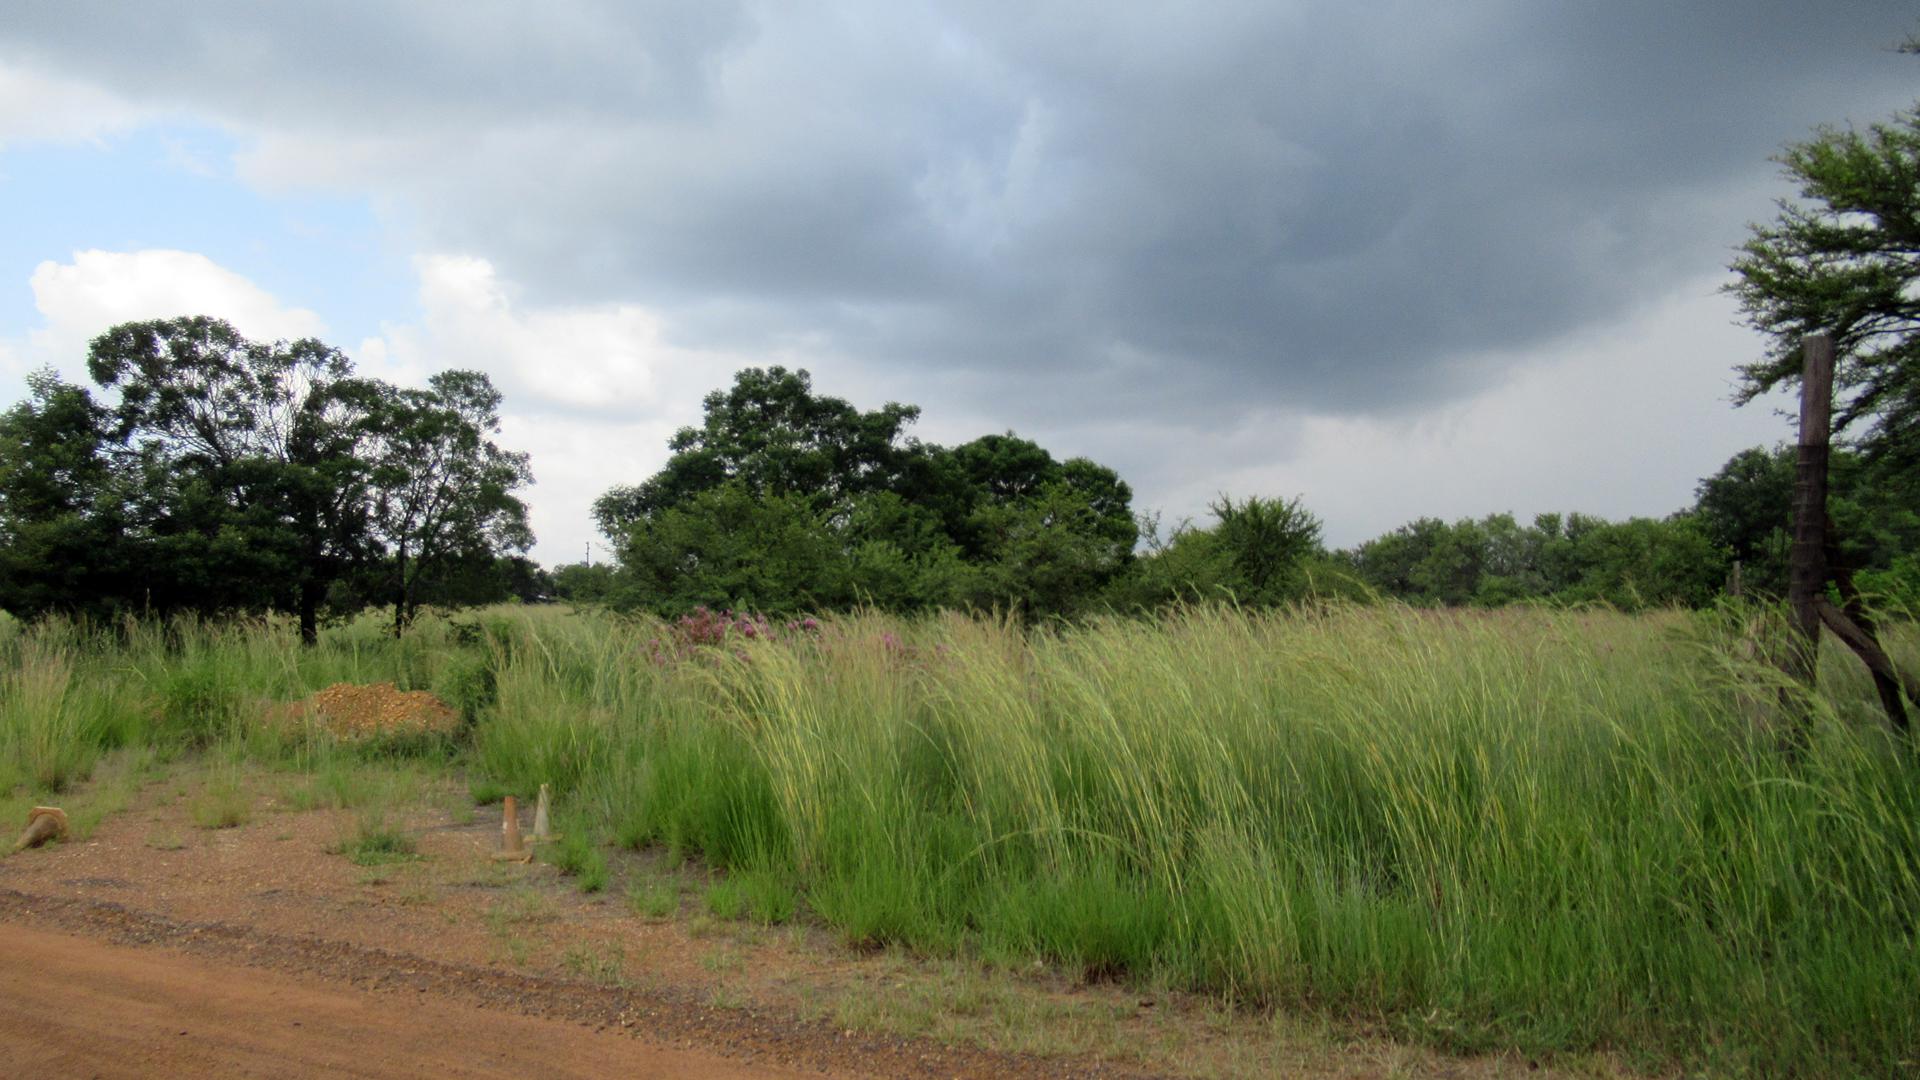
{"type": "Point", "coordinates": [174, 187]}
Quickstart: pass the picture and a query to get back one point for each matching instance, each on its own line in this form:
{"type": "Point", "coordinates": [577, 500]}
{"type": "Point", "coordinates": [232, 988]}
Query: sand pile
{"type": "Point", "coordinates": [381, 710]}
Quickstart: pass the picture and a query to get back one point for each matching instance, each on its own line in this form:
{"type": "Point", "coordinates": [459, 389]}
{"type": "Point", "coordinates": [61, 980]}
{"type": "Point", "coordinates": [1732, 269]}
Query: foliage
{"type": "Point", "coordinates": [66, 507]}
{"type": "Point", "coordinates": [1841, 261]}
{"type": "Point", "coordinates": [769, 435]}
{"type": "Point", "coordinates": [1634, 564]}
{"type": "Point", "coordinates": [1746, 508]}
{"type": "Point", "coordinates": [225, 475]}
{"type": "Point", "coordinates": [1260, 552]}
{"type": "Point", "coordinates": [442, 490]}
{"type": "Point", "coordinates": [582, 583]}
{"type": "Point", "coordinates": [784, 501]}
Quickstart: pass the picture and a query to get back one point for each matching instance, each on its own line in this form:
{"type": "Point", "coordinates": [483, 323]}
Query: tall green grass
{"type": "Point", "coordinates": [1549, 830]}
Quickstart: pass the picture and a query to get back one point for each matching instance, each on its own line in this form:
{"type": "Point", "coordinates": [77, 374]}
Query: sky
{"type": "Point", "coordinates": [1396, 259]}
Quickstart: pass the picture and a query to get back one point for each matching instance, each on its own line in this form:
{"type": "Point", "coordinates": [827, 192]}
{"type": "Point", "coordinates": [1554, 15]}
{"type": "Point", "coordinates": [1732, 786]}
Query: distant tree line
{"type": "Point", "coordinates": [214, 474]}
{"type": "Point", "coordinates": [1742, 515]}
{"type": "Point", "coordinates": [207, 473]}
{"type": "Point", "coordinates": [784, 501]}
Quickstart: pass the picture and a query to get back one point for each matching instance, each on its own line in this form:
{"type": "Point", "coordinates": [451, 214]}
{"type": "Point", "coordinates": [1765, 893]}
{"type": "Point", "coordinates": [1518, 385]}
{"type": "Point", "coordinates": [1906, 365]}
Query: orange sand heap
{"type": "Point", "coordinates": [367, 712]}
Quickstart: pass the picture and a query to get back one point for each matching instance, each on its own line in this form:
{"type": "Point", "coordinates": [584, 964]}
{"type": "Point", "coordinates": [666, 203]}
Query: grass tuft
{"type": "Point", "coordinates": [374, 842]}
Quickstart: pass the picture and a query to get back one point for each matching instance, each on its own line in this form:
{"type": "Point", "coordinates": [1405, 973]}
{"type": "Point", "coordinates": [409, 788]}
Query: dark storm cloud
{"type": "Point", "coordinates": [1082, 206]}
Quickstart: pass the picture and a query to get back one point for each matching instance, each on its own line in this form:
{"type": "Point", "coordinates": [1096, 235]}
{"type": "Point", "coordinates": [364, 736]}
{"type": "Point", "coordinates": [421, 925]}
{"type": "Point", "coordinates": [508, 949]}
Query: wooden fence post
{"type": "Point", "coordinates": [1807, 561]}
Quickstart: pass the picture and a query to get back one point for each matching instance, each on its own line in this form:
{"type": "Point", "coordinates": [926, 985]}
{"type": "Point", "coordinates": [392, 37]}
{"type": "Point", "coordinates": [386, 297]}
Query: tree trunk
{"type": "Point", "coordinates": [1853, 624]}
{"type": "Point", "coordinates": [1886, 679]}
{"type": "Point", "coordinates": [400, 591]}
{"type": "Point", "coordinates": [1808, 563]}
{"type": "Point", "coordinates": [309, 612]}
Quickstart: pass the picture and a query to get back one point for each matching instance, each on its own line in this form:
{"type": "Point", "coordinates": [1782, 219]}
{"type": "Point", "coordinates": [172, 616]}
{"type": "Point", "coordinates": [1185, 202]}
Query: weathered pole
{"type": "Point", "coordinates": [1807, 562]}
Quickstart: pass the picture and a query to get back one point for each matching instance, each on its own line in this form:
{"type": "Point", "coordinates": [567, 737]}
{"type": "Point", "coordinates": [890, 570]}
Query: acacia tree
{"type": "Point", "coordinates": [442, 490]}
{"type": "Point", "coordinates": [1845, 260]}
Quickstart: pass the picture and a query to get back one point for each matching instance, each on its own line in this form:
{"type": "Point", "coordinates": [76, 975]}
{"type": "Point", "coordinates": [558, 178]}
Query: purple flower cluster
{"type": "Point", "coordinates": [703, 627]}
{"type": "Point", "coordinates": [910, 655]}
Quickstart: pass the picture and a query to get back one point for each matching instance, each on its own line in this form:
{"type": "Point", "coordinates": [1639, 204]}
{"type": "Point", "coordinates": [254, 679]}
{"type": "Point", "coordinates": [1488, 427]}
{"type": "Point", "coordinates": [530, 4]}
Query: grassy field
{"type": "Point", "coordinates": [1554, 831]}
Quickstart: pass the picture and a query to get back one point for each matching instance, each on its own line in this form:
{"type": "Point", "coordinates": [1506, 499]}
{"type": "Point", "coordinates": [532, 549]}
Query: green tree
{"type": "Point", "coordinates": [1645, 562]}
{"type": "Point", "coordinates": [583, 583]}
{"type": "Point", "coordinates": [1265, 542]}
{"type": "Point", "coordinates": [894, 522]}
{"type": "Point", "coordinates": [63, 521]}
{"type": "Point", "coordinates": [772, 435]}
{"type": "Point", "coordinates": [732, 547]}
{"type": "Point", "coordinates": [1258, 552]}
{"type": "Point", "coordinates": [1746, 508]}
{"type": "Point", "coordinates": [247, 451]}
{"type": "Point", "coordinates": [1842, 260]}
{"type": "Point", "coordinates": [442, 489]}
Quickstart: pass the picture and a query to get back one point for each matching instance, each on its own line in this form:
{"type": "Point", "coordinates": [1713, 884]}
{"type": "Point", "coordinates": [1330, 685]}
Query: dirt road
{"type": "Point", "coordinates": [76, 1007]}
{"type": "Point", "coordinates": [151, 945]}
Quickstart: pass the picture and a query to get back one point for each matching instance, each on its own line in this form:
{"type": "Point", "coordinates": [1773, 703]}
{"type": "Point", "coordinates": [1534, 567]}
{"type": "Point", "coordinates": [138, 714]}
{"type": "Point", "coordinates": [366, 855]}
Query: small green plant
{"type": "Point", "coordinates": [723, 960]}
{"type": "Point", "coordinates": [604, 963]}
{"type": "Point", "coordinates": [654, 900]}
{"type": "Point", "coordinates": [461, 811]}
{"type": "Point", "coordinates": [221, 803]}
{"type": "Point", "coordinates": [578, 857]}
{"type": "Point", "coordinates": [727, 899]}
{"type": "Point", "coordinates": [486, 792]}
{"type": "Point", "coordinates": [374, 842]}
{"type": "Point", "coordinates": [522, 906]}
{"type": "Point", "coordinates": [770, 899]}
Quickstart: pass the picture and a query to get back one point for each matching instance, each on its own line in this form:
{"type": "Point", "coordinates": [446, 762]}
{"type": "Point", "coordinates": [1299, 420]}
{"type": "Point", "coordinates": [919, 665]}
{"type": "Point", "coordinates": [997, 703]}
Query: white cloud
{"type": "Point", "coordinates": [98, 289]}
{"type": "Point", "coordinates": [592, 391]}
{"type": "Point", "coordinates": [596, 358]}
{"type": "Point", "coordinates": [38, 107]}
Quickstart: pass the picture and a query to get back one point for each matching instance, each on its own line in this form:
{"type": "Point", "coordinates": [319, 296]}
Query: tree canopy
{"type": "Point", "coordinates": [221, 474]}
{"type": "Point", "coordinates": [784, 499]}
{"type": "Point", "coordinates": [1845, 259]}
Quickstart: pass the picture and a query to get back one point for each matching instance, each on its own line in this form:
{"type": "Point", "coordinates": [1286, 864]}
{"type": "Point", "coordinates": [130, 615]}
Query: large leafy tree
{"type": "Point", "coordinates": [1845, 259]}
{"type": "Point", "coordinates": [882, 518]}
{"type": "Point", "coordinates": [63, 520]}
{"type": "Point", "coordinates": [255, 494]}
{"type": "Point", "coordinates": [1746, 507]}
{"type": "Point", "coordinates": [442, 489]}
{"type": "Point", "coordinates": [772, 435]}
{"type": "Point", "coordinates": [1259, 552]}
{"type": "Point", "coordinates": [221, 474]}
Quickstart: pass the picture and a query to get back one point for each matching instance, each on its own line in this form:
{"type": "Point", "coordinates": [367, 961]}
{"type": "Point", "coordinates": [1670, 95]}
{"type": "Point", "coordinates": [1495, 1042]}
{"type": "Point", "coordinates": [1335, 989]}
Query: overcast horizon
{"type": "Point", "coordinates": [1399, 263]}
